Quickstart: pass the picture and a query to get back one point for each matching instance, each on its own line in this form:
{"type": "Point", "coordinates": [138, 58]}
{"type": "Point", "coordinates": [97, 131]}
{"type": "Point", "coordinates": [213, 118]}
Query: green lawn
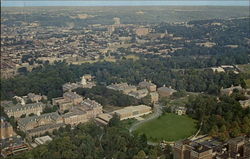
{"type": "Point", "coordinates": [168, 127]}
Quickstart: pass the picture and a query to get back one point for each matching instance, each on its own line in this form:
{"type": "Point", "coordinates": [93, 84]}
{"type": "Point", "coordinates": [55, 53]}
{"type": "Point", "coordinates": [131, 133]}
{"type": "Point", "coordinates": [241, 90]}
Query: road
{"type": "Point", "coordinates": [156, 113]}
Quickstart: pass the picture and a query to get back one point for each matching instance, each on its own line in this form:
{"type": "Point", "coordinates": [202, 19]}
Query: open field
{"type": "Point", "coordinates": [169, 127]}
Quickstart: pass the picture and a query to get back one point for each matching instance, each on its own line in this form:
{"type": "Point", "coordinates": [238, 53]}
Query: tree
{"type": "Point", "coordinates": [22, 70]}
{"type": "Point", "coordinates": [31, 114]}
{"type": "Point", "coordinates": [23, 116]}
{"type": "Point", "coordinates": [141, 155]}
{"type": "Point", "coordinates": [114, 121]}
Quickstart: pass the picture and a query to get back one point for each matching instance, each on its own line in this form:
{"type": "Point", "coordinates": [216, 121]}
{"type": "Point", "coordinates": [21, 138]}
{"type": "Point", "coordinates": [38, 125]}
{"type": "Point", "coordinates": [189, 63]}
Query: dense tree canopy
{"type": "Point", "coordinates": [90, 141]}
{"type": "Point", "coordinates": [48, 80]}
{"type": "Point", "coordinates": [108, 97]}
{"type": "Point", "coordinates": [221, 117]}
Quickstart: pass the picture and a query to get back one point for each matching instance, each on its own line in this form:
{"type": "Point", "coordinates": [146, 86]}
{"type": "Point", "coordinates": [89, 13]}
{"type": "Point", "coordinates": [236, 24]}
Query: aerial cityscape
{"type": "Point", "coordinates": [119, 81]}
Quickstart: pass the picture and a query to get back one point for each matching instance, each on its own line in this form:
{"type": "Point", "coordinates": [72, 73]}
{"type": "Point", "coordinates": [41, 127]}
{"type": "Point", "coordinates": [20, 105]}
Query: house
{"type": "Point", "coordinates": [180, 110]}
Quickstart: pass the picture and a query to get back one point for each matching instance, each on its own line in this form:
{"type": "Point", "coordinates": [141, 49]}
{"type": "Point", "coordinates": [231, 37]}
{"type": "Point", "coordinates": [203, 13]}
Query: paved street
{"type": "Point", "coordinates": [156, 113]}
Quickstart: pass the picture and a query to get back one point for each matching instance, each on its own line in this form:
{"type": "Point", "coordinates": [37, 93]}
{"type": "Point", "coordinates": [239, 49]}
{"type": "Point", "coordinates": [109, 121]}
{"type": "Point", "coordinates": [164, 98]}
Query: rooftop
{"type": "Point", "coordinates": [19, 107]}
{"type": "Point", "coordinates": [43, 139]}
{"type": "Point", "coordinates": [35, 118]}
{"type": "Point", "coordinates": [72, 95]}
{"type": "Point", "coordinates": [166, 89]}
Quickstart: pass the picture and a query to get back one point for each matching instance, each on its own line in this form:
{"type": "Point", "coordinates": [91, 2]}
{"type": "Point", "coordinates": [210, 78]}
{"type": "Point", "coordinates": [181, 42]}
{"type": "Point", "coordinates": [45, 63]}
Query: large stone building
{"type": "Point", "coordinates": [68, 100]}
{"type": "Point", "coordinates": [73, 97]}
{"type": "Point", "coordinates": [103, 118]}
{"type": "Point", "coordinates": [154, 97]}
{"type": "Point", "coordinates": [35, 97]}
{"type": "Point", "coordinates": [34, 122]}
{"type": "Point", "coordinates": [132, 111]}
{"type": "Point", "coordinates": [139, 93]}
{"type": "Point", "coordinates": [124, 87]}
{"type": "Point", "coordinates": [86, 82]}
{"type": "Point", "coordinates": [165, 91]}
{"type": "Point", "coordinates": [209, 148]}
{"type": "Point", "coordinates": [19, 110]}
{"type": "Point", "coordinates": [149, 85]}
{"type": "Point", "coordinates": [6, 130]}
{"type": "Point", "coordinates": [191, 150]}
{"type": "Point", "coordinates": [42, 140]}
{"type": "Point", "coordinates": [88, 109]}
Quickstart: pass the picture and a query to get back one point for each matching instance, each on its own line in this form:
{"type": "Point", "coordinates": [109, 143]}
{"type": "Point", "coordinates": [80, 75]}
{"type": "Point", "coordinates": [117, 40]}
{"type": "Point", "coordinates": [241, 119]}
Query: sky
{"type": "Point", "coordinates": [21, 3]}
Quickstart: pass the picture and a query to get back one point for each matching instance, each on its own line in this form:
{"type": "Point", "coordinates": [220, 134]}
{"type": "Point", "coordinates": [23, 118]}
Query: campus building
{"type": "Point", "coordinates": [6, 130]}
{"type": "Point", "coordinates": [37, 125]}
{"type": "Point", "coordinates": [35, 97]}
{"type": "Point", "coordinates": [165, 91]}
{"type": "Point", "coordinates": [147, 84]}
{"type": "Point", "coordinates": [68, 100]}
{"type": "Point", "coordinates": [19, 110]}
{"type": "Point", "coordinates": [132, 111]}
{"type": "Point", "coordinates": [103, 118]}
{"type": "Point", "coordinates": [85, 111]}
{"type": "Point", "coordinates": [209, 148]}
{"type": "Point", "coordinates": [124, 87]}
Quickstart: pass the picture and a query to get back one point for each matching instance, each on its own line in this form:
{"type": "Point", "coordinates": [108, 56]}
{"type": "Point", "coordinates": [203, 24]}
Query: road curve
{"type": "Point", "coordinates": [156, 113]}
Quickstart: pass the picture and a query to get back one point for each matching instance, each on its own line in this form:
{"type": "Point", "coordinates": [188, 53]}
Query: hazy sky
{"type": "Point", "coordinates": [21, 3]}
